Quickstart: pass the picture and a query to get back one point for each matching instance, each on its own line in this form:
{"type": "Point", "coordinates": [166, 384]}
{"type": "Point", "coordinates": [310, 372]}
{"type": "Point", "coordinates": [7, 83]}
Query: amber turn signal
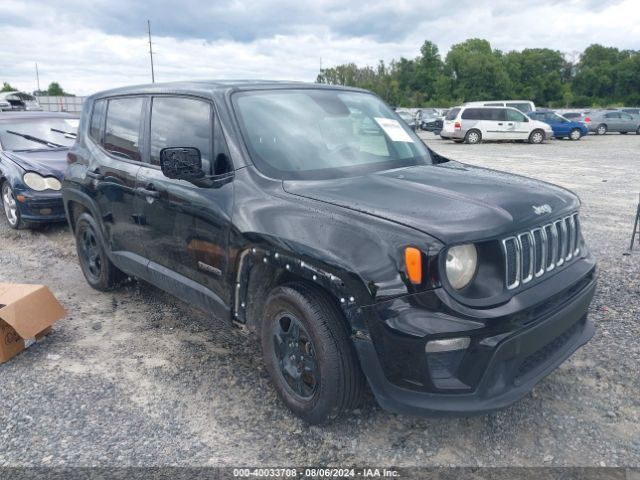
{"type": "Point", "coordinates": [413, 263]}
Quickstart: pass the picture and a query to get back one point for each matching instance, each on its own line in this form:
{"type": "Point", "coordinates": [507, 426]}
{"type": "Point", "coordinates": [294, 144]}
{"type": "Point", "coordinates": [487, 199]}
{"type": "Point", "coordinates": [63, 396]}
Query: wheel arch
{"type": "Point", "coordinates": [261, 270]}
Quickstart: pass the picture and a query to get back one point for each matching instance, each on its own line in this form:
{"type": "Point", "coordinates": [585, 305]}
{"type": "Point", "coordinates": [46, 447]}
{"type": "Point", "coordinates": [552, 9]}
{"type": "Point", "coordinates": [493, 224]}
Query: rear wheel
{"type": "Point", "coordinates": [100, 273]}
{"type": "Point", "coordinates": [623, 133]}
{"type": "Point", "coordinates": [536, 137]}
{"type": "Point", "coordinates": [575, 134]}
{"type": "Point", "coordinates": [472, 137]}
{"type": "Point", "coordinates": [11, 210]}
{"type": "Point", "coordinates": [602, 129]}
{"type": "Point", "coordinates": [309, 355]}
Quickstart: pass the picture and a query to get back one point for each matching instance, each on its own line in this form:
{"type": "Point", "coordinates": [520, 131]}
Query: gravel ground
{"type": "Point", "coordinates": [138, 378]}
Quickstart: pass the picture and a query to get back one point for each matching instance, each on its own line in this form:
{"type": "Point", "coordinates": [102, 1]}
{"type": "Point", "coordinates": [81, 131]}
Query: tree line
{"type": "Point", "coordinates": [472, 70]}
{"type": "Point", "coordinates": [54, 90]}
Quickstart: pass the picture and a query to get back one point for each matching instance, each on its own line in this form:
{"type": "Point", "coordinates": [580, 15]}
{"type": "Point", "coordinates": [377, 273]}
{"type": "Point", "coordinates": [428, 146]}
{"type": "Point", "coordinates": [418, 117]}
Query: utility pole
{"type": "Point", "coordinates": [38, 78]}
{"type": "Point", "coordinates": [153, 78]}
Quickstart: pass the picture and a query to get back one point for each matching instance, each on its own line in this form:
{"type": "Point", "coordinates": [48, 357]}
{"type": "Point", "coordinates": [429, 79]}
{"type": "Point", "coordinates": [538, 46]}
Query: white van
{"type": "Point", "coordinates": [475, 124]}
{"type": "Point", "coordinates": [525, 106]}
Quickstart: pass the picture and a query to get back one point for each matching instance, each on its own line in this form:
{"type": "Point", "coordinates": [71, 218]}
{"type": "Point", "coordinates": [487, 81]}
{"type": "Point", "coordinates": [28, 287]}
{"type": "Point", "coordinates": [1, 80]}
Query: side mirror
{"type": "Point", "coordinates": [182, 163]}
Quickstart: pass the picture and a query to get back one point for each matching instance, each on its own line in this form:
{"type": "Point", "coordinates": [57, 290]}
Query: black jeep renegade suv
{"type": "Point", "coordinates": [314, 217]}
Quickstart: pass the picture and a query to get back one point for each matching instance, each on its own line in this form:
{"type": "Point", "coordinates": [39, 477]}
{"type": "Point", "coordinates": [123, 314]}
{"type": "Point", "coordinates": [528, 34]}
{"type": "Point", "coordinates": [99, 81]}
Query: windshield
{"type": "Point", "coordinates": [322, 134]}
{"type": "Point", "coordinates": [39, 133]}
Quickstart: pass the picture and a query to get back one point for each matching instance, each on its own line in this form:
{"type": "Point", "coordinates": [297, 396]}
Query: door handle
{"type": "Point", "coordinates": [148, 191]}
{"type": "Point", "coordinates": [95, 174]}
{"type": "Point", "coordinates": [499, 123]}
{"type": "Point", "coordinates": [510, 124]}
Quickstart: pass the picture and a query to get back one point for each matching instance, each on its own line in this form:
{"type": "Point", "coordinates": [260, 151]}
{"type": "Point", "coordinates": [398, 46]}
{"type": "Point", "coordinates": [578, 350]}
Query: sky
{"type": "Point", "coordinates": [88, 46]}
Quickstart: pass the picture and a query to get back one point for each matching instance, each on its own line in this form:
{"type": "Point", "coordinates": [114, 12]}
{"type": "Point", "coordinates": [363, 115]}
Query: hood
{"type": "Point", "coordinates": [450, 201]}
{"type": "Point", "coordinates": [51, 162]}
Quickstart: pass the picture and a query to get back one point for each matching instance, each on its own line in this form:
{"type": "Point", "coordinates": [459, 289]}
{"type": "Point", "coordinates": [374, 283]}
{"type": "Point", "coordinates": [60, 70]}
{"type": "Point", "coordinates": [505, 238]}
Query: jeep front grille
{"type": "Point", "coordinates": [533, 253]}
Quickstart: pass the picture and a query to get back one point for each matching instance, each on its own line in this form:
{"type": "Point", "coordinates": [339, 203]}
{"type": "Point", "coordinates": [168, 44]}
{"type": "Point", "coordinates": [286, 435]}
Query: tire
{"type": "Point", "coordinates": [98, 270]}
{"type": "Point", "coordinates": [575, 134]}
{"type": "Point", "coordinates": [623, 133]}
{"type": "Point", "coordinates": [601, 129]}
{"type": "Point", "coordinates": [473, 136]}
{"type": "Point", "coordinates": [10, 207]}
{"type": "Point", "coordinates": [536, 137]}
{"type": "Point", "coordinates": [309, 355]}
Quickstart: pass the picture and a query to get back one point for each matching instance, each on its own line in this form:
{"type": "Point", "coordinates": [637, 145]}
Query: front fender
{"type": "Point", "coordinates": [358, 256]}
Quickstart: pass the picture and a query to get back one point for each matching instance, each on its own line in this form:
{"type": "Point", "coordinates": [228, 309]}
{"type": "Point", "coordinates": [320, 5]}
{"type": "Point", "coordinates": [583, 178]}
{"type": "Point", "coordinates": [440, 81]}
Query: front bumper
{"type": "Point", "coordinates": [511, 349]}
{"type": "Point", "coordinates": [41, 207]}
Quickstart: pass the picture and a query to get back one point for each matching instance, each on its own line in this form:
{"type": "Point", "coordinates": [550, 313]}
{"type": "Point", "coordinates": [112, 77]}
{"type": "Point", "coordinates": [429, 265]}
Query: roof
{"type": "Point", "coordinates": [21, 115]}
{"type": "Point", "coordinates": [210, 86]}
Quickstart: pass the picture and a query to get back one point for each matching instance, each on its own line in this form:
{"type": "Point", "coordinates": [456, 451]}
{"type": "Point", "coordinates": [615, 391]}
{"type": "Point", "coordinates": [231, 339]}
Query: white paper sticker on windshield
{"type": "Point", "coordinates": [393, 128]}
{"type": "Point", "coordinates": [74, 122]}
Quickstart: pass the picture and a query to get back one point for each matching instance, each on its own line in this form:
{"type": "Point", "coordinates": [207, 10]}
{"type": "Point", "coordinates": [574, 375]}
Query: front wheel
{"type": "Point", "coordinates": [575, 134]}
{"type": "Point", "coordinates": [308, 353]}
{"type": "Point", "coordinates": [602, 129]}
{"type": "Point", "coordinates": [100, 273]}
{"type": "Point", "coordinates": [11, 210]}
{"type": "Point", "coordinates": [536, 137]}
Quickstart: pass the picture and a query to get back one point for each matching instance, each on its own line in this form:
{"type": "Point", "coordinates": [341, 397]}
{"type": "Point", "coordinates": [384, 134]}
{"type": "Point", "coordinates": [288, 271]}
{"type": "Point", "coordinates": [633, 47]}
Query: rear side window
{"type": "Point", "coordinates": [96, 128]}
{"type": "Point", "coordinates": [122, 129]}
{"type": "Point", "coordinates": [181, 122]}
{"type": "Point", "coordinates": [453, 113]}
{"type": "Point", "coordinates": [475, 114]}
{"type": "Point", "coordinates": [523, 107]}
{"type": "Point", "coordinates": [492, 114]}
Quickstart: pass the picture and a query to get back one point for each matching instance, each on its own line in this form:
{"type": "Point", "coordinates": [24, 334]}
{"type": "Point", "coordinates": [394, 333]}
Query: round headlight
{"type": "Point", "coordinates": [35, 181]}
{"type": "Point", "coordinates": [39, 183]}
{"type": "Point", "coordinates": [53, 183]}
{"type": "Point", "coordinates": [462, 261]}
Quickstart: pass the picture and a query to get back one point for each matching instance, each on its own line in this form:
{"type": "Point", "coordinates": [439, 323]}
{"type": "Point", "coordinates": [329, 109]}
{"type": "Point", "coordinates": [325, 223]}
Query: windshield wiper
{"type": "Point", "coordinates": [35, 139]}
{"type": "Point", "coordinates": [66, 134]}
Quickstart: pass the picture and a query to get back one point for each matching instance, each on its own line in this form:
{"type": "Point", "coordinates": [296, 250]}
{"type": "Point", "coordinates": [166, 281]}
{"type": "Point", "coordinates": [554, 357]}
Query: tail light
{"type": "Point", "coordinates": [587, 119]}
{"type": "Point", "coordinates": [457, 126]}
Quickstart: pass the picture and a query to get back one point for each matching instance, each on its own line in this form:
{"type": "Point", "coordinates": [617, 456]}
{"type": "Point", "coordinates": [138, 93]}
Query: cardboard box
{"type": "Point", "coordinates": [26, 315]}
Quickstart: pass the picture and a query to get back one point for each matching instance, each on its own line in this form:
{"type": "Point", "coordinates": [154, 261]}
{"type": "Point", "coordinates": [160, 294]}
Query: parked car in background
{"type": "Point", "coordinates": [561, 126]}
{"type": "Point", "coordinates": [632, 111]}
{"type": "Point", "coordinates": [4, 106]}
{"type": "Point", "coordinates": [408, 118]}
{"type": "Point", "coordinates": [351, 255]}
{"type": "Point", "coordinates": [33, 154]}
{"type": "Point", "coordinates": [613, 121]}
{"type": "Point", "coordinates": [524, 106]}
{"type": "Point", "coordinates": [476, 124]}
{"type": "Point", "coordinates": [428, 120]}
{"type": "Point", "coordinates": [577, 116]}
{"type": "Point", "coordinates": [19, 101]}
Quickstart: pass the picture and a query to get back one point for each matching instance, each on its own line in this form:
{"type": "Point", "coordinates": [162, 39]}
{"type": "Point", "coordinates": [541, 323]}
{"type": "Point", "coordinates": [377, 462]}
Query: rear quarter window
{"type": "Point", "coordinates": [122, 130]}
{"type": "Point", "coordinates": [453, 113]}
{"type": "Point", "coordinates": [96, 128]}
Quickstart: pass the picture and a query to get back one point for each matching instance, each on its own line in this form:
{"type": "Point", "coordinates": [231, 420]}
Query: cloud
{"type": "Point", "coordinates": [89, 46]}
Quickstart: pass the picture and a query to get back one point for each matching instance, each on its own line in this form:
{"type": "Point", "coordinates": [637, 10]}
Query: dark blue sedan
{"type": "Point", "coordinates": [562, 127]}
{"type": "Point", "coordinates": [33, 152]}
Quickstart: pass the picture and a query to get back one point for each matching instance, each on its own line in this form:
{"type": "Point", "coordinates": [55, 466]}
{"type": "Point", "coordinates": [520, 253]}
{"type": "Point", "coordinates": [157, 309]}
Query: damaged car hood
{"type": "Point", "coordinates": [450, 201]}
{"type": "Point", "coordinates": [50, 162]}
